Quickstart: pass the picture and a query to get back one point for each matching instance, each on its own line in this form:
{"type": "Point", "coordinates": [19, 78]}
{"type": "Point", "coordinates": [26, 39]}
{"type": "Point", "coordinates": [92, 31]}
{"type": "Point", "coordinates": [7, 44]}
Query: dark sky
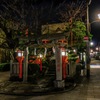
{"type": "Point", "coordinates": [94, 10]}
{"type": "Point", "coordinates": [95, 27]}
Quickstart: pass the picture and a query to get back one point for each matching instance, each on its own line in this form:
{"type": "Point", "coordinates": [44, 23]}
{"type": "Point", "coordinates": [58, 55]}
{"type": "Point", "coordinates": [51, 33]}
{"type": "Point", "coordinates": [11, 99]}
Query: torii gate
{"type": "Point", "coordinates": [60, 73]}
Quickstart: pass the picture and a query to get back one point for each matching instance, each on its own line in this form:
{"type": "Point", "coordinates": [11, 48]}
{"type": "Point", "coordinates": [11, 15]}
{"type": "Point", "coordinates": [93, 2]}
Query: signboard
{"type": "Point", "coordinates": [54, 28]}
{"type": "Point", "coordinates": [58, 63]}
{"type": "Point", "coordinates": [86, 38]}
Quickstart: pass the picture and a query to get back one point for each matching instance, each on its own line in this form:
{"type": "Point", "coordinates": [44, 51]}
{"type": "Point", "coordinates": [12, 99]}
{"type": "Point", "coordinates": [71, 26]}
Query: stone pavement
{"type": "Point", "coordinates": [93, 90]}
{"type": "Point", "coordinates": [27, 89]}
{"type": "Point", "coordinates": [88, 89]}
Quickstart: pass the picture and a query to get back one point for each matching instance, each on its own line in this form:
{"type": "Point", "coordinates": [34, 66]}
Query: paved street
{"type": "Point", "coordinates": [87, 90]}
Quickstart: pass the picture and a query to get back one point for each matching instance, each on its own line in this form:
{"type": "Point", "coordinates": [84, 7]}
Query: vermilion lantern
{"type": "Point", "coordinates": [20, 59]}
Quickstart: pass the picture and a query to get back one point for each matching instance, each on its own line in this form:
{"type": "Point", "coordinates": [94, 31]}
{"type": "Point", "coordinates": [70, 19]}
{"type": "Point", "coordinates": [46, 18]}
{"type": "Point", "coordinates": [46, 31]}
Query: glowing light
{"type": "Point", "coordinates": [74, 50]}
{"type": "Point", "coordinates": [40, 55]}
{"type": "Point", "coordinates": [99, 16]}
{"type": "Point", "coordinates": [91, 43]}
{"type": "Point", "coordinates": [97, 48]}
{"type": "Point", "coordinates": [91, 50]}
{"type": "Point", "coordinates": [20, 53]}
{"type": "Point", "coordinates": [63, 53]}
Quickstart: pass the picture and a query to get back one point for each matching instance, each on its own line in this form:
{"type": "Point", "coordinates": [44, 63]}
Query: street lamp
{"type": "Point", "coordinates": [90, 28]}
{"type": "Point", "coordinates": [99, 16]}
{"type": "Point", "coordinates": [98, 20]}
{"type": "Point", "coordinates": [88, 44]}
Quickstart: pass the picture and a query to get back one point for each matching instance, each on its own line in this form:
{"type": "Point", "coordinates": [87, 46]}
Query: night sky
{"type": "Point", "coordinates": [94, 9]}
{"type": "Point", "coordinates": [95, 27]}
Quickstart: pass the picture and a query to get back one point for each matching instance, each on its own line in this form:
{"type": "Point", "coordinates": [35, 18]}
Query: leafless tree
{"type": "Point", "coordinates": [74, 10]}
{"type": "Point", "coordinates": [17, 16]}
{"type": "Point", "coordinates": [31, 14]}
{"type": "Point", "coordinates": [28, 14]}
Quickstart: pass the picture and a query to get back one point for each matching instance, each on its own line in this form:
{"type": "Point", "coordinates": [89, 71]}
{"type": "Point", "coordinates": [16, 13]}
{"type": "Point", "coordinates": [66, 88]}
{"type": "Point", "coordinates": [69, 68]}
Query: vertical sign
{"type": "Point", "coordinates": [25, 67]}
{"type": "Point", "coordinates": [58, 57]}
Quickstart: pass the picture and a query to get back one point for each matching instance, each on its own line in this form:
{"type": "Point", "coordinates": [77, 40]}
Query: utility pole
{"type": "Point", "coordinates": [88, 44]}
